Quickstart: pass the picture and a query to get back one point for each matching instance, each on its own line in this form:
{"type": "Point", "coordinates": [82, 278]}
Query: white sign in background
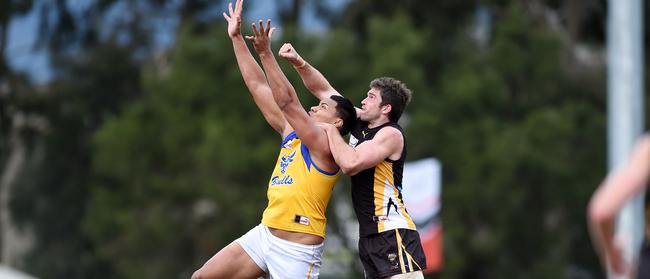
{"type": "Point", "coordinates": [421, 189]}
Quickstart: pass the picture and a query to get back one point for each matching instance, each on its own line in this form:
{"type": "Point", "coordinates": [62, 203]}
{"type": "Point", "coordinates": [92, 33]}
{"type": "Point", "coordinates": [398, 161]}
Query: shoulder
{"type": "Point", "coordinates": [390, 135]}
{"type": "Point", "coordinates": [391, 129]}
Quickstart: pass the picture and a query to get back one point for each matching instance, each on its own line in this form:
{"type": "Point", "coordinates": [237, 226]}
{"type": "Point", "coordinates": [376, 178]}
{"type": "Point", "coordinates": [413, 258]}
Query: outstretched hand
{"type": "Point", "coordinates": [234, 18]}
{"type": "Point", "coordinates": [261, 38]}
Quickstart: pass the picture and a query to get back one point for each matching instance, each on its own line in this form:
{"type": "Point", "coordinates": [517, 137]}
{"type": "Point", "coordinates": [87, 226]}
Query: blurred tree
{"type": "Point", "coordinates": [183, 171]}
{"type": "Point", "coordinates": [18, 135]}
{"type": "Point", "coordinates": [94, 77]}
{"type": "Point", "coordinates": [12, 149]}
{"type": "Point", "coordinates": [51, 194]}
{"type": "Point", "coordinates": [9, 9]}
{"type": "Point", "coordinates": [96, 58]}
{"type": "Point", "coordinates": [146, 190]}
{"type": "Point", "coordinates": [519, 140]}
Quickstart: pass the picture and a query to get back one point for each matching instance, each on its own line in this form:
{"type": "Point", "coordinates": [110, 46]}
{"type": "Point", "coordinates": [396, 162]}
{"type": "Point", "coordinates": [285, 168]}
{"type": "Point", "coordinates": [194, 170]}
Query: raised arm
{"type": "Point", "coordinates": [387, 143]}
{"type": "Point", "coordinates": [285, 95]}
{"type": "Point", "coordinates": [252, 73]}
{"type": "Point", "coordinates": [619, 187]}
{"type": "Point", "coordinates": [315, 82]}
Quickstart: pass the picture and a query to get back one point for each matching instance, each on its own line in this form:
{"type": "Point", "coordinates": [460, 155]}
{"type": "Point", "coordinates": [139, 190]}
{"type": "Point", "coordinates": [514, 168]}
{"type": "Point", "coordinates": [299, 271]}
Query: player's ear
{"type": "Point", "coordinates": [386, 108]}
{"type": "Point", "coordinates": [338, 123]}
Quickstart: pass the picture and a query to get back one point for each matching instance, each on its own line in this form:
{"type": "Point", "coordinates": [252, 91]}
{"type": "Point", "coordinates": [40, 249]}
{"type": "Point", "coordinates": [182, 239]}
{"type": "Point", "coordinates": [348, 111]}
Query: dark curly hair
{"type": "Point", "coordinates": [346, 111]}
{"type": "Point", "coordinates": [393, 93]}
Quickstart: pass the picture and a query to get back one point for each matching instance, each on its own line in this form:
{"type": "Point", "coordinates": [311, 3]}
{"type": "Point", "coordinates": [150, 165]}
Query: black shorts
{"type": "Point", "coordinates": [384, 255]}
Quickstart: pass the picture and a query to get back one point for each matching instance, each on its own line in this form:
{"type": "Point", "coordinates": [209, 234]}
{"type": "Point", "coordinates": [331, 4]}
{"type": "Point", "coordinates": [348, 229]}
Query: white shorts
{"type": "Point", "coordinates": [279, 258]}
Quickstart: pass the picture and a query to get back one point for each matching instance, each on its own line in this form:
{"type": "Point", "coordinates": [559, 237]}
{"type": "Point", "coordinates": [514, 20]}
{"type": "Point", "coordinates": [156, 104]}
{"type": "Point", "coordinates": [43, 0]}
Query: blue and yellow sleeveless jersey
{"type": "Point", "coordinates": [298, 191]}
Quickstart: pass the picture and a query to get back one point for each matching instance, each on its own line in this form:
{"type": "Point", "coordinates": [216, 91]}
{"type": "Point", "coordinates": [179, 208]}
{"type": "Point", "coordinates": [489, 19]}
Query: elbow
{"type": "Point", "coordinates": [598, 214]}
{"type": "Point", "coordinates": [284, 101]}
{"type": "Point", "coordinates": [349, 169]}
{"type": "Point", "coordinates": [350, 164]}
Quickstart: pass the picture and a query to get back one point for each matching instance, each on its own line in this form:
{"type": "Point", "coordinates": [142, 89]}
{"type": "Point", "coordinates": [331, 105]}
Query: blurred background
{"type": "Point", "coordinates": [130, 147]}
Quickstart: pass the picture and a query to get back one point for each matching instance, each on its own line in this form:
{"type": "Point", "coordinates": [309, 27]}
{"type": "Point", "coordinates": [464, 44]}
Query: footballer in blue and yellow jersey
{"type": "Point", "coordinates": [298, 191]}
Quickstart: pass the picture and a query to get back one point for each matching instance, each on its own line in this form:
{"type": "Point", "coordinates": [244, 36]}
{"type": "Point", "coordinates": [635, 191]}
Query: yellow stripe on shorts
{"type": "Point", "coordinates": [408, 255]}
{"type": "Point", "coordinates": [399, 244]}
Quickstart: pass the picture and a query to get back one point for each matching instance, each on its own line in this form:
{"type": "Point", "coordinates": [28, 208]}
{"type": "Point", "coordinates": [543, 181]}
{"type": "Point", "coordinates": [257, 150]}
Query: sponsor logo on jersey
{"type": "Point", "coordinates": [285, 161]}
{"type": "Point", "coordinates": [353, 141]}
{"type": "Point", "coordinates": [301, 220]}
{"type": "Point", "coordinates": [281, 180]}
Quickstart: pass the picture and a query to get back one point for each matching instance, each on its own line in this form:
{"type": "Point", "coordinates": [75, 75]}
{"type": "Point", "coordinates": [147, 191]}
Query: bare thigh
{"type": "Point", "coordinates": [232, 262]}
{"type": "Point", "coordinates": [411, 275]}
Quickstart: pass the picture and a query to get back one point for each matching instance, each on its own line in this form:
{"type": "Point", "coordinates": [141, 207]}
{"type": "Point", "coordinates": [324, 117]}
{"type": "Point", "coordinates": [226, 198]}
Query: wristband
{"type": "Point", "coordinates": [303, 64]}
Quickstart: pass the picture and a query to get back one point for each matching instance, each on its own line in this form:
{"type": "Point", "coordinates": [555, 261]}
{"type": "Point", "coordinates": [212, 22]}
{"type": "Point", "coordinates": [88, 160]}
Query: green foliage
{"type": "Point", "coordinates": [394, 46]}
{"type": "Point", "coordinates": [519, 141]}
{"type": "Point", "coordinates": [51, 193]}
{"type": "Point", "coordinates": [149, 169]}
{"type": "Point", "coordinates": [183, 171]}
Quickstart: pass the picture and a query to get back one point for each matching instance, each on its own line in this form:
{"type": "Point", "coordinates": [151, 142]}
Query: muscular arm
{"type": "Point", "coordinates": [387, 143]}
{"type": "Point", "coordinates": [252, 73]}
{"type": "Point", "coordinates": [613, 193]}
{"type": "Point", "coordinates": [313, 136]}
{"type": "Point", "coordinates": [315, 82]}
{"type": "Point", "coordinates": [256, 82]}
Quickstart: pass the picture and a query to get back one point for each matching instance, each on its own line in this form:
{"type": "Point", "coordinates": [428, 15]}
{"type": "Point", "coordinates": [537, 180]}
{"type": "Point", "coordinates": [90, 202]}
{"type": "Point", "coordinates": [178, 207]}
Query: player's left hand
{"type": "Point", "coordinates": [234, 18]}
{"type": "Point", "coordinates": [261, 38]}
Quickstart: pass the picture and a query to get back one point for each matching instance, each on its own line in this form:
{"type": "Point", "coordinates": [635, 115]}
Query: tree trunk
{"type": "Point", "coordinates": [13, 243]}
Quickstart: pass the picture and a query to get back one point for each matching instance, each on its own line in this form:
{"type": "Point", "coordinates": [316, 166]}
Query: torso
{"type": "Point", "coordinates": [377, 191]}
{"type": "Point", "coordinates": [302, 238]}
{"type": "Point", "coordinates": [298, 194]}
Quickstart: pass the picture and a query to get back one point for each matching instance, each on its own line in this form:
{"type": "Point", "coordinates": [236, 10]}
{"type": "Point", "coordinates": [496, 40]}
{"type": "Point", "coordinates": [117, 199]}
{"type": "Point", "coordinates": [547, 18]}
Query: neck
{"type": "Point", "coordinates": [377, 122]}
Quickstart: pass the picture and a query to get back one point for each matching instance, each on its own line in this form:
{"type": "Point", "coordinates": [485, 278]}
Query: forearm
{"type": "Point", "coordinates": [344, 154]}
{"type": "Point", "coordinates": [606, 234]}
{"type": "Point", "coordinates": [602, 212]}
{"type": "Point", "coordinates": [314, 80]}
{"type": "Point", "coordinates": [601, 228]}
{"type": "Point", "coordinates": [250, 70]}
{"type": "Point", "coordinates": [283, 92]}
